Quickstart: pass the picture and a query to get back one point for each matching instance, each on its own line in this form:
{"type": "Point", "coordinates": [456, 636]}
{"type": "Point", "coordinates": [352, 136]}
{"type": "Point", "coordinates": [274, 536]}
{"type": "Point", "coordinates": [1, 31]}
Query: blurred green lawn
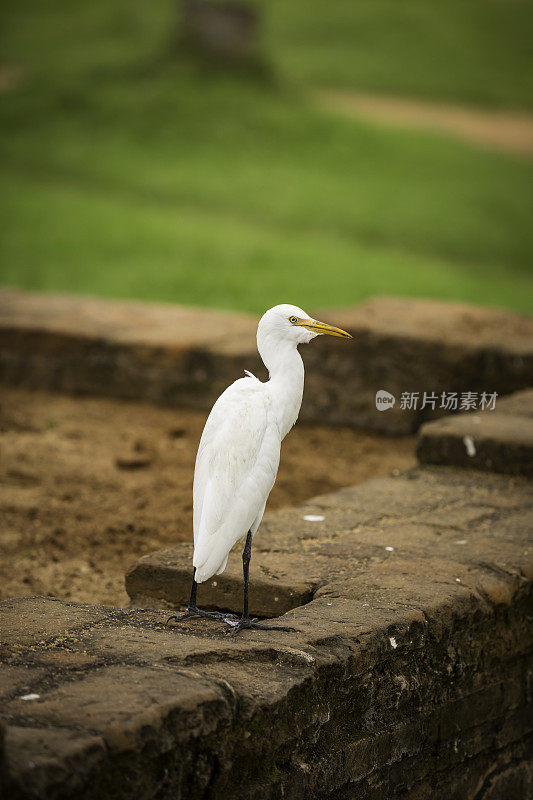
{"type": "Point", "coordinates": [473, 51]}
{"type": "Point", "coordinates": [128, 173]}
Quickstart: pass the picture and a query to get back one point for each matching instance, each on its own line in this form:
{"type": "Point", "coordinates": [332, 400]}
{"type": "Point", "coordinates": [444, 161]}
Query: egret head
{"type": "Point", "coordinates": [291, 324]}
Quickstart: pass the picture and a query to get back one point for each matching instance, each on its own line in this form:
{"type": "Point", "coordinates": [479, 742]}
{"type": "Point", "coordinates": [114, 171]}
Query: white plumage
{"type": "Point", "coordinates": [238, 455]}
{"type": "Point", "coordinates": [236, 467]}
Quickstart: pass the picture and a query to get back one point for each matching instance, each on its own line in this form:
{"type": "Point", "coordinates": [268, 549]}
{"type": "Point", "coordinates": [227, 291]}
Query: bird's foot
{"type": "Point", "coordinates": [193, 611]}
{"type": "Point", "coordinates": [246, 622]}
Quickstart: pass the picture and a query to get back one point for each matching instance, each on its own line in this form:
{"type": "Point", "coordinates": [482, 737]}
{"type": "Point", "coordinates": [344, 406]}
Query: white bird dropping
{"type": "Point", "coordinates": [470, 446]}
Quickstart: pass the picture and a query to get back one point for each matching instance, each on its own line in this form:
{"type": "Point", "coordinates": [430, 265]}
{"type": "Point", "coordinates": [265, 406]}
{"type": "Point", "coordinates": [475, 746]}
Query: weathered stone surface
{"type": "Point", "coordinates": [18, 679]}
{"type": "Point", "coordinates": [519, 404]}
{"type": "Point", "coordinates": [499, 440]}
{"type": "Point", "coordinates": [173, 585]}
{"type": "Point", "coordinates": [406, 345]}
{"type": "Point", "coordinates": [162, 353]}
{"type": "Point", "coordinates": [49, 762]}
{"type": "Point", "coordinates": [406, 676]}
{"type": "Point", "coordinates": [18, 632]}
{"type": "Point", "coordinates": [413, 521]}
{"type": "Point", "coordinates": [178, 356]}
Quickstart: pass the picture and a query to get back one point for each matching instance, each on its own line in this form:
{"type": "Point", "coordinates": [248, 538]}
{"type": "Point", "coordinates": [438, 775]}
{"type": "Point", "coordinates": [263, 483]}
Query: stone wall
{"type": "Point", "coordinates": [407, 675]}
{"type": "Point", "coordinates": [178, 356]}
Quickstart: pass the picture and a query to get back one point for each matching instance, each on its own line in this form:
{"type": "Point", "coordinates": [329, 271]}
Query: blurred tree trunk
{"type": "Point", "coordinates": [220, 31]}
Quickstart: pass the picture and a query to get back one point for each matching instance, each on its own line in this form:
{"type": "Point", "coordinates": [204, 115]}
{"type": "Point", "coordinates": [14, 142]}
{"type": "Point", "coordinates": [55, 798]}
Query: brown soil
{"type": "Point", "coordinates": [500, 130]}
{"type": "Point", "coordinates": [89, 485]}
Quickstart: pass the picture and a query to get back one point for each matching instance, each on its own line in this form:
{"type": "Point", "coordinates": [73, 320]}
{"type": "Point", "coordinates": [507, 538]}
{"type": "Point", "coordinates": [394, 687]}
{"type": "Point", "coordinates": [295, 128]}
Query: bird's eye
{"type": "Point", "coordinates": [293, 320]}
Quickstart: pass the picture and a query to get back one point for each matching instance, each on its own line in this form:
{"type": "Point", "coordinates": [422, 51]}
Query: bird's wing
{"type": "Point", "coordinates": [236, 467]}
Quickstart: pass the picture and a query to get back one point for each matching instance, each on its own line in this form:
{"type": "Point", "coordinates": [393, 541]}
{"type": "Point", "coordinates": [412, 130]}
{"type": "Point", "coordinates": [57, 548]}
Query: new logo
{"type": "Point", "coordinates": [384, 400]}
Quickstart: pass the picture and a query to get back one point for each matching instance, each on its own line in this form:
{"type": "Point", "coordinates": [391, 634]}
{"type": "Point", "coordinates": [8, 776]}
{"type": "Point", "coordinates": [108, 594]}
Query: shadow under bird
{"type": "Point", "coordinates": [238, 455]}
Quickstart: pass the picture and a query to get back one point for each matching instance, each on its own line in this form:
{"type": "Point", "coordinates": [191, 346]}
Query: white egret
{"type": "Point", "coordinates": [238, 455]}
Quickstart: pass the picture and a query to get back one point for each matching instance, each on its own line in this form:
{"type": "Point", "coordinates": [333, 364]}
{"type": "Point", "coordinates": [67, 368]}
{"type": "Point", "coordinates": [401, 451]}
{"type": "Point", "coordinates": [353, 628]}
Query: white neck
{"type": "Point", "coordinates": [286, 384]}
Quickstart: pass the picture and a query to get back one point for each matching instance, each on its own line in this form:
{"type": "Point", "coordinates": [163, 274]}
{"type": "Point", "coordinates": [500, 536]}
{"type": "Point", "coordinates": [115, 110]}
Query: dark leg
{"type": "Point", "coordinates": [246, 558]}
{"type": "Point", "coordinates": [245, 621]}
{"type": "Point", "coordinates": [193, 610]}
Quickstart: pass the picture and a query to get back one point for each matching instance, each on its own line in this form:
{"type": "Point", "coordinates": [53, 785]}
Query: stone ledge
{"type": "Point", "coordinates": [499, 440]}
{"type": "Point", "coordinates": [181, 356]}
{"type": "Point", "coordinates": [406, 676]}
{"type": "Point", "coordinates": [415, 521]}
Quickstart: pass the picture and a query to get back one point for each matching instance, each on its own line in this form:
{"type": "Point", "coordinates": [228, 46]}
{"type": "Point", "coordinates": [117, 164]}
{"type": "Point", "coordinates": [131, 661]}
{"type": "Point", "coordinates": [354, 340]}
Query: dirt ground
{"type": "Point", "coordinates": [89, 485]}
{"type": "Point", "coordinates": [502, 130]}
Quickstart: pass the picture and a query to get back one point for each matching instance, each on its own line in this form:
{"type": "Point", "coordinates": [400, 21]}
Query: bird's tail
{"type": "Point", "coordinates": [210, 563]}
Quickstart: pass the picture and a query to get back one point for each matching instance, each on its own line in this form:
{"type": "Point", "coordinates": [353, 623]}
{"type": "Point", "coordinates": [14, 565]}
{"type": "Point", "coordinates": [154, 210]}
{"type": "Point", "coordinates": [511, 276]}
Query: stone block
{"type": "Point", "coordinates": [186, 357]}
{"type": "Point", "coordinates": [499, 440]}
{"type": "Point", "coordinates": [171, 571]}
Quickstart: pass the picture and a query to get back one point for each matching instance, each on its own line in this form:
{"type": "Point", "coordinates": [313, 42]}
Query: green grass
{"type": "Point", "coordinates": [473, 51]}
{"type": "Point", "coordinates": [476, 51]}
{"type": "Point", "coordinates": [126, 174]}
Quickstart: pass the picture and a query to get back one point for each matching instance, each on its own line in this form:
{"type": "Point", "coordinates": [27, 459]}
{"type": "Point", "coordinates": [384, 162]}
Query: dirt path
{"type": "Point", "coordinates": [501, 130]}
{"type": "Point", "coordinates": [89, 485]}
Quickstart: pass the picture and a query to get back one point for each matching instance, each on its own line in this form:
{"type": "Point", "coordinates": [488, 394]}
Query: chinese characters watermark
{"type": "Point", "coordinates": [445, 401]}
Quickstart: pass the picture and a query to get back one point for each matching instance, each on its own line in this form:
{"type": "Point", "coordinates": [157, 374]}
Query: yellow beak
{"type": "Point", "coordinates": [322, 327]}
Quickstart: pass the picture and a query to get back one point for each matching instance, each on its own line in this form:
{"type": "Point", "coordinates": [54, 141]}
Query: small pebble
{"type": "Point", "coordinates": [177, 433]}
{"type": "Point", "coordinates": [136, 461]}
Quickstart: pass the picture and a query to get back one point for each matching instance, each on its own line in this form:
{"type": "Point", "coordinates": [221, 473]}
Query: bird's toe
{"type": "Point", "coordinates": [253, 623]}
